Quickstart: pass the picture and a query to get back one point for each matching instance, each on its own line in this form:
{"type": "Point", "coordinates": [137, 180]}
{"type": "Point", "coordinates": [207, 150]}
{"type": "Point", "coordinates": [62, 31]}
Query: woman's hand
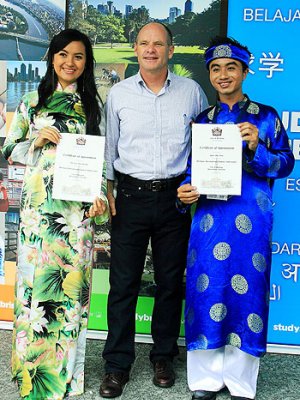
{"type": "Point", "coordinates": [97, 208]}
{"type": "Point", "coordinates": [188, 194]}
{"type": "Point", "coordinates": [46, 135]}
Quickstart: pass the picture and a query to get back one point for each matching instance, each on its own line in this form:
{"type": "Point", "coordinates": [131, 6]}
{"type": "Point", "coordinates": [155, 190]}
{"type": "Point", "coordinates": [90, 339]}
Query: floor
{"type": "Point", "coordinates": [279, 377]}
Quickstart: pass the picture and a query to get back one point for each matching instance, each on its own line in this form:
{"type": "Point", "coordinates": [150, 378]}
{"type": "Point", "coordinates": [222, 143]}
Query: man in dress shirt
{"type": "Point", "coordinates": [147, 146]}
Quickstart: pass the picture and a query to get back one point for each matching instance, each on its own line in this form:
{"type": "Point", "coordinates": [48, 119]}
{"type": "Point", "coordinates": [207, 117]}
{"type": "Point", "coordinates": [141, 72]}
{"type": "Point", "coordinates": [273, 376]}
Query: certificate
{"type": "Point", "coordinates": [78, 167]}
{"type": "Point", "coordinates": [217, 159]}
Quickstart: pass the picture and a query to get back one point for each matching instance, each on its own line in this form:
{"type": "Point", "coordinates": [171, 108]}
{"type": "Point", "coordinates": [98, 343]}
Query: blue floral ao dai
{"type": "Point", "coordinates": [229, 255]}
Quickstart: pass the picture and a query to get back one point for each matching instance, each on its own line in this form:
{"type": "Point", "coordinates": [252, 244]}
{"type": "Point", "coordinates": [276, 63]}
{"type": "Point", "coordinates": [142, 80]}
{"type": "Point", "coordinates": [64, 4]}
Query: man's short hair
{"type": "Point", "coordinates": [167, 29]}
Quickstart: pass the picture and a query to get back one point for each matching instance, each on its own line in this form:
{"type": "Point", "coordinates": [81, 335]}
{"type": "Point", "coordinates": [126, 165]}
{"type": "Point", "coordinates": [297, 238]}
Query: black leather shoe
{"type": "Point", "coordinates": [207, 396]}
{"type": "Point", "coordinates": [164, 375]}
{"type": "Point", "coordinates": [240, 398]}
{"type": "Point", "coordinates": [113, 384]}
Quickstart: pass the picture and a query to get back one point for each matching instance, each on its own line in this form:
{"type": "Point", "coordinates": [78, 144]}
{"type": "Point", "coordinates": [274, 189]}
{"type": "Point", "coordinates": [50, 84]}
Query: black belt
{"type": "Point", "coordinates": [156, 185]}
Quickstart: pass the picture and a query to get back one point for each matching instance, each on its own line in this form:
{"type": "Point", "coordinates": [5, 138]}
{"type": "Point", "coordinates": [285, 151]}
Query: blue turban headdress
{"type": "Point", "coordinates": [226, 51]}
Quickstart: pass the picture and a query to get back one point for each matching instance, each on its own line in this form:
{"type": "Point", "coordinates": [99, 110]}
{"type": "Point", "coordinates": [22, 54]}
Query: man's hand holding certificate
{"type": "Point", "coordinates": [217, 159]}
{"type": "Point", "coordinates": [78, 167]}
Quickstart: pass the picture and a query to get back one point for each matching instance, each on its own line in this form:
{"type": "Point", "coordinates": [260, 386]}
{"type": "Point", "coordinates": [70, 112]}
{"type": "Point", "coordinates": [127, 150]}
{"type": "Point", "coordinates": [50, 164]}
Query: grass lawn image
{"type": "Point", "coordinates": [187, 61]}
{"type": "Point", "coordinates": [124, 53]}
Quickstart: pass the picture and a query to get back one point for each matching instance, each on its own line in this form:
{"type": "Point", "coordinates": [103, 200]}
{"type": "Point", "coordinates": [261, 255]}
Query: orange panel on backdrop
{"type": "Point", "coordinates": [9, 117]}
{"type": "Point", "coordinates": [10, 271]}
{"type": "Point", "coordinates": [6, 302]}
{"type": "Point", "coordinates": [7, 292]}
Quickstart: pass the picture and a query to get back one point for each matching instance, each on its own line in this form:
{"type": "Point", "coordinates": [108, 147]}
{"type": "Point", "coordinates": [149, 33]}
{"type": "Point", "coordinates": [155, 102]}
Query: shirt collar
{"type": "Point", "coordinates": [141, 81]}
{"type": "Point", "coordinates": [238, 105]}
{"type": "Point", "coordinates": [72, 88]}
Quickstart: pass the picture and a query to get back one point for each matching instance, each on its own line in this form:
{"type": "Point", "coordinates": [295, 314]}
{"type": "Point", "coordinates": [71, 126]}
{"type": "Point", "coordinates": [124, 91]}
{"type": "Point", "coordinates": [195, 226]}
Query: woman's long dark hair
{"type": "Point", "coordinates": [85, 83]}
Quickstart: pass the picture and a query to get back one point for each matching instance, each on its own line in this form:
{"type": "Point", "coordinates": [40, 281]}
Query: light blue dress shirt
{"type": "Point", "coordinates": [148, 134]}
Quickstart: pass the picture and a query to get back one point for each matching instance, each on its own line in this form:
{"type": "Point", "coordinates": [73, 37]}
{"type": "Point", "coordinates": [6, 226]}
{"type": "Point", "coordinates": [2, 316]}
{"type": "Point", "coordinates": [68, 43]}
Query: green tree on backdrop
{"type": "Point", "coordinates": [77, 19]}
{"type": "Point", "coordinates": [196, 29]}
{"type": "Point", "coordinates": [190, 29]}
{"type": "Point", "coordinates": [111, 30]}
{"type": "Point", "coordinates": [100, 28]}
{"type": "Point", "coordinates": [135, 21]}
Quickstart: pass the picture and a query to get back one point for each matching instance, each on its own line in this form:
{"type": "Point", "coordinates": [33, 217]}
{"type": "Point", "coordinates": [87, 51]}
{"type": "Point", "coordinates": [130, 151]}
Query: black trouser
{"type": "Point", "coordinates": [144, 214]}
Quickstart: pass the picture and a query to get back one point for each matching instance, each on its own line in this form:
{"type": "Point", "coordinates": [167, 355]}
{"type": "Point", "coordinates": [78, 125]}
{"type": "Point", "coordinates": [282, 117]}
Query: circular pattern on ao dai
{"type": "Point", "coordinates": [190, 317]}
{"type": "Point", "coordinates": [202, 283]}
{"type": "Point", "coordinates": [263, 201]}
{"type": "Point", "coordinates": [202, 341]}
{"type": "Point", "coordinates": [275, 165]}
{"type": "Point", "coordinates": [234, 340]}
{"type": "Point", "coordinates": [206, 222]}
{"type": "Point", "coordinates": [222, 251]}
{"type": "Point", "coordinates": [253, 108]}
{"type": "Point", "coordinates": [192, 257]}
{"type": "Point", "coordinates": [255, 323]}
{"type": "Point", "coordinates": [277, 127]}
{"type": "Point", "coordinates": [218, 312]}
{"type": "Point", "coordinates": [243, 223]}
{"type": "Point", "coordinates": [239, 284]}
{"type": "Point", "coordinates": [259, 262]}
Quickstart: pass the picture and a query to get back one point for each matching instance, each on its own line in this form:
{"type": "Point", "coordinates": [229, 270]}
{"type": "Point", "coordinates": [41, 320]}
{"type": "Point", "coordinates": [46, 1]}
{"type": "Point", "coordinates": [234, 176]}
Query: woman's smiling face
{"type": "Point", "coordinates": [69, 63]}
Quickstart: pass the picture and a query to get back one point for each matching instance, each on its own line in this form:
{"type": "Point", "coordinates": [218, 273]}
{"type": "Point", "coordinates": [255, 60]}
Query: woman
{"type": "Point", "coordinates": [56, 236]}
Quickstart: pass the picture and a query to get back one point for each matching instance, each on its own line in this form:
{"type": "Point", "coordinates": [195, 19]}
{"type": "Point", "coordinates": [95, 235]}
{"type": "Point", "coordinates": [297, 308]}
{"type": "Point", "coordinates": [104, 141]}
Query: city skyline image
{"type": "Point", "coordinates": [25, 71]}
{"type": "Point", "coordinates": [22, 77]}
{"type": "Point", "coordinates": [157, 9]}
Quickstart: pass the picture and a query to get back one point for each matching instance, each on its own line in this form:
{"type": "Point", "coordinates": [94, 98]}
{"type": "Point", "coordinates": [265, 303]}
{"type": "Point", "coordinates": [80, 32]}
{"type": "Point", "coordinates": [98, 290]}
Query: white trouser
{"type": "Point", "coordinates": [227, 366]}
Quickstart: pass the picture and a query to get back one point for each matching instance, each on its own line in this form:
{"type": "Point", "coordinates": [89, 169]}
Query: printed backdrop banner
{"type": "Point", "coordinates": [25, 32]}
{"type": "Point", "coordinates": [269, 29]}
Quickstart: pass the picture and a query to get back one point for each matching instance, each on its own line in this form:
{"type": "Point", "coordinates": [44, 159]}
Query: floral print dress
{"type": "Point", "coordinates": [54, 258]}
